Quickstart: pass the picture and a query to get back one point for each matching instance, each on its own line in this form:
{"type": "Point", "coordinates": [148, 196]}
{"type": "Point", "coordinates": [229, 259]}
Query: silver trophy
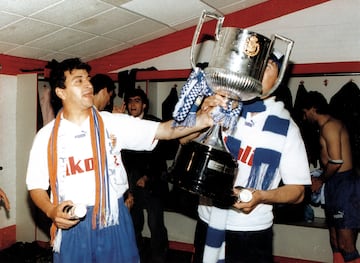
{"type": "Point", "coordinates": [236, 68]}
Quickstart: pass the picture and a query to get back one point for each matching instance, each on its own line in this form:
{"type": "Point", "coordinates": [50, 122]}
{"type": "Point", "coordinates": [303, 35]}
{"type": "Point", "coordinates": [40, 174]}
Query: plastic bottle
{"type": "Point", "coordinates": [76, 211]}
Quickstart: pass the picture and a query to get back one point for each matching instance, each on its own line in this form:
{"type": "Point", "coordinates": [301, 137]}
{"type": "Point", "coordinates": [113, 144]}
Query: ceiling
{"type": "Point", "coordinates": [58, 29]}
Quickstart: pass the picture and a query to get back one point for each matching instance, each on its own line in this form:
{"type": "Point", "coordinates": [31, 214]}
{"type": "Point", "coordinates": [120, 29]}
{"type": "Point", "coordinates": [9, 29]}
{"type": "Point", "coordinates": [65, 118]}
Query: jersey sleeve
{"type": "Point", "coordinates": [294, 165]}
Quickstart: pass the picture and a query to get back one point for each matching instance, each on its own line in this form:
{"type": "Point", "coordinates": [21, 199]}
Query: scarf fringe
{"type": "Point", "coordinates": [192, 94]}
{"type": "Point", "coordinates": [57, 241]}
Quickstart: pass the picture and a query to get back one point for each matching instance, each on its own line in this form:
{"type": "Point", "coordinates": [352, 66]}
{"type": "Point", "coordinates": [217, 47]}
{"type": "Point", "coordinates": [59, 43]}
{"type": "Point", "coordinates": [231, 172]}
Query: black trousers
{"type": "Point", "coordinates": [154, 207]}
{"type": "Point", "coordinates": [241, 246]}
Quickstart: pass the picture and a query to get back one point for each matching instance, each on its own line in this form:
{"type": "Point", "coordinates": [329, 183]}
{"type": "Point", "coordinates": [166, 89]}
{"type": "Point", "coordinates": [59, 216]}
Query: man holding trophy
{"type": "Point", "coordinates": [276, 155]}
{"type": "Point", "coordinates": [264, 142]}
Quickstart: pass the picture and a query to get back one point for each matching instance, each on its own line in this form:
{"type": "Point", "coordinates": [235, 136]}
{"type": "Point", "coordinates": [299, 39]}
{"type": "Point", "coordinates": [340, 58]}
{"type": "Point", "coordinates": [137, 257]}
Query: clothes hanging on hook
{"type": "Point", "coordinates": [169, 103]}
{"type": "Point", "coordinates": [168, 106]}
{"type": "Point", "coordinates": [309, 132]}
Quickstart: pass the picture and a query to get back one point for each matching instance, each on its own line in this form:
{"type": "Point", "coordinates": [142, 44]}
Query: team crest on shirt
{"type": "Point", "coordinates": [115, 154]}
{"type": "Point", "coordinates": [113, 140]}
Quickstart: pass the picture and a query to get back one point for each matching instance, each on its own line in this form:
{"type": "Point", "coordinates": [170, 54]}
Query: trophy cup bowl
{"type": "Point", "coordinates": [238, 62]}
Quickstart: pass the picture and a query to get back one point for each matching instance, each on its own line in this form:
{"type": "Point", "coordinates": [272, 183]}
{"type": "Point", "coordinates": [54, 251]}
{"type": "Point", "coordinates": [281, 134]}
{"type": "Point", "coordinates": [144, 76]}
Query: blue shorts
{"type": "Point", "coordinates": [342, 200]}
{"type": "Point", "coordinates": [114, 244]}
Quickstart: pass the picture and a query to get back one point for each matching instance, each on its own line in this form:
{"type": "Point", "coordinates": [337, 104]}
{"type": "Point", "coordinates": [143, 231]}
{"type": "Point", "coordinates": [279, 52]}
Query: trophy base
{"type": "Point", "coordinates": [206, 171]}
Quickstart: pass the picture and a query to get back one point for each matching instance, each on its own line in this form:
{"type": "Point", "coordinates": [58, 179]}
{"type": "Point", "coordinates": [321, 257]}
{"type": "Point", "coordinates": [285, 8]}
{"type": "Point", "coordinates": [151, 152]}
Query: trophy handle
{"type": "Point", "coordinates": [220, 20]}
{"type": "Point", "coordinates": [282, 70]}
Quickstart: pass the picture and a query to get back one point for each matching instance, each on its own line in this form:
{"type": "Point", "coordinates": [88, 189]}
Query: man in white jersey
{"type": "Point", "coordinates": [77, 156]}
{"type": "Point", "coordinates": [269, 149]}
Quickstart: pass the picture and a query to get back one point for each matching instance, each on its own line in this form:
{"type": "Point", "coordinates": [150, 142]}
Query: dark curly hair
{"type": "Point", "coordinates": [57, 77]}
{"type": "Point", "coordinates": [100, 81]}
{"type": "Point", "coordinates": [317, 100]}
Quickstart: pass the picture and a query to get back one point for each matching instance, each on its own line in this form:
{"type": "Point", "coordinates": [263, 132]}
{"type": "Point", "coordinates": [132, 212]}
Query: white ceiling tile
{"type": "Point", "coordinates": [168, 12]}
{"type": "Point", "coordinates": [141, 27]}
{"type": "Point", "coordinates": [69, 12]}
{"type": "Point", "coordinates": [117, 3]}
{"type": "Point", "coordinates": [60, 39]}
{"type": "Point", "coordinates": [107, 21]}
{"type": "Point", "coordinates": [24, 51]}
{"type": "Point", "coordinates": [106, 52]}
{"type": "Point", "coordinates": [4, 47]}
{"type": "Point", "coordinates": [228, 6]}
{"type": "Point", "coordinates": [91, 46]}
{"type": "Point", "coordinates": [151, 35]}
{"type": "Point", "coordinates": [26, 30]}
{"type": "Point", "coordinates": [59, 56]}
{"type": "Point", "coordinates": [94, 28]}
{"type": "Point", "coordinates": [26, 7]}
{"type": "Point", "coordinates": [6, 18]}
{"type": "Point", "coordinates": [239, 5]}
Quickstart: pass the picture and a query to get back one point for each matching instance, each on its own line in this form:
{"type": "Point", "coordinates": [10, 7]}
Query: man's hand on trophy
{"type": "Point", "coordinates": [209, 105]}
{"type": "Point", "coordinates": [211, 102]}
{"type": "Point", "coordinates": [205, 112]}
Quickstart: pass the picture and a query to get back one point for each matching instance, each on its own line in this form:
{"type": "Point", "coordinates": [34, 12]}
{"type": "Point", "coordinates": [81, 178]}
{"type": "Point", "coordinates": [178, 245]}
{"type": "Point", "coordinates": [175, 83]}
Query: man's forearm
{"type": "Point", "coordinates": [291, 194]}
{"type": "Point", "coordinates": [42, 200]}
{"type": "Point", "coordinates": [329, 170]}
{"type": "Point", "coordinates": [167, 132]}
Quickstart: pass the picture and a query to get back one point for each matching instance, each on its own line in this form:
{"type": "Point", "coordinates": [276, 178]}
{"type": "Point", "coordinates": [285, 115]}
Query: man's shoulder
{"type": "Point", "coordinates": [333, 123]}
{"type": "Point", "coordinates": [151, 118]}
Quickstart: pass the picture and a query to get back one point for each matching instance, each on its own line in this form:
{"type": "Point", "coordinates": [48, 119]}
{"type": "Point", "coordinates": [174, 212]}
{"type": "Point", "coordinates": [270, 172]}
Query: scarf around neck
{"type": "Point", "coordinates": [104, 212]}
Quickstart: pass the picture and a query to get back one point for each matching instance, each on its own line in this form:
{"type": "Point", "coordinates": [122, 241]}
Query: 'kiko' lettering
{"type": "Point", "coordinates": [79, 166]}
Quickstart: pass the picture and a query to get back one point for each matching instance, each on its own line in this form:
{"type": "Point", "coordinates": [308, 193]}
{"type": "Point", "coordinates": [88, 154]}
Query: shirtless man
{"type": "Point", "coordinates": [342, 189]}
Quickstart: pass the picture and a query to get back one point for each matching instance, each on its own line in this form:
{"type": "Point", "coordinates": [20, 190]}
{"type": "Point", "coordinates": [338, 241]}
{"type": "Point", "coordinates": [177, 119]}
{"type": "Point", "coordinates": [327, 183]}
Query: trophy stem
{"type": "Point", "coordinates": [213, 137]}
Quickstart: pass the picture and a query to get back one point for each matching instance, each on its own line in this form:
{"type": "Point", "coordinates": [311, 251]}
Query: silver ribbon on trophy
{"type": "Point", "coordinates": [204, 166]}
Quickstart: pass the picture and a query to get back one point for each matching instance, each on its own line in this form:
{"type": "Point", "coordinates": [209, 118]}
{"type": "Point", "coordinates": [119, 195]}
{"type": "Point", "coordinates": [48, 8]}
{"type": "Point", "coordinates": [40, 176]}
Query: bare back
{"type": "Point", "coordinates": [335, 144]}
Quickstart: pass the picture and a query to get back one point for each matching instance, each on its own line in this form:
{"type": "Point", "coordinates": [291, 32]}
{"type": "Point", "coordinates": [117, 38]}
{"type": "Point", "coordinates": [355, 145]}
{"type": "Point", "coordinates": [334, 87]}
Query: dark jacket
{"type": "Point", "coordinates": [149, 163]}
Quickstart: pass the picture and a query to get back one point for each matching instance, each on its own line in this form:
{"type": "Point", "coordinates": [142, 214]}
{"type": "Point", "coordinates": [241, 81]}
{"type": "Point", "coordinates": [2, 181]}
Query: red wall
{"type": "Point", "coordinates": [8, 236]}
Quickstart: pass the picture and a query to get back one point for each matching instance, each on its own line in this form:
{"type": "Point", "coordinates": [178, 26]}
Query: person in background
{"type": "Point", "coordinates": [78, 157]}
{"type": "Point", "coordinates": [342, 185]}
{"type": "Point", "coordinates": [4, 199]}
{"type": "Point", "coordinates": [148, 187]}
{"type": "Point", "coordinates": [243, 232]}
{"type": "Point", "coordinates": [104, 92]}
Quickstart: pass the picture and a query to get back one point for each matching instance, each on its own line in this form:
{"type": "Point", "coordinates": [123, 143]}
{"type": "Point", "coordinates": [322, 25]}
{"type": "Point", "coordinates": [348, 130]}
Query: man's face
{"type": "Point", "coordinates": [270, 76]}
{"type": "Point", "coordinates": [308, 115]}
{"type": "Point", "coordinates": [135, 106]}
{"type": "Point", "coordinates": [78, 92]}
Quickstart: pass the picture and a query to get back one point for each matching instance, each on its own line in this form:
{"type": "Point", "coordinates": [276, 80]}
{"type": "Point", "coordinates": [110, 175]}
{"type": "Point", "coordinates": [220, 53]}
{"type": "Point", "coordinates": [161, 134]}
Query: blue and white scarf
{"type": "Point", "coordinates": [262, 171]}
{"type": "Point", "coordinates": [191, 97]}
